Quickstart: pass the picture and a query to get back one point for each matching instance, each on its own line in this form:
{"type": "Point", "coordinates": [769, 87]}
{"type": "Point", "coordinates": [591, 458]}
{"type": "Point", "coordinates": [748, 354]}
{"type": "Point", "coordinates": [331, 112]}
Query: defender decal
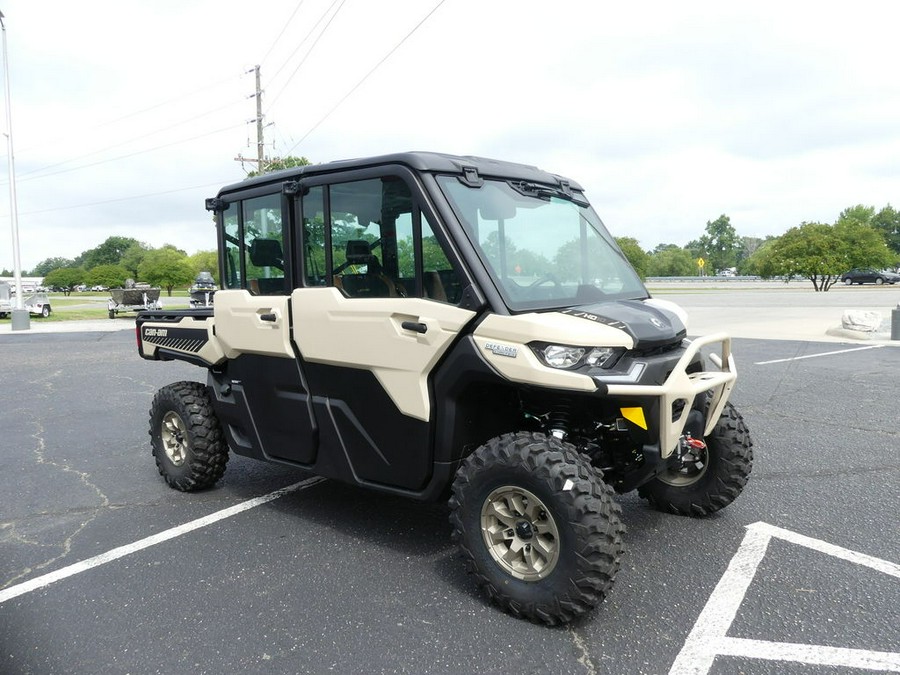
{"type": "Point", "coordinates": [502, 350]}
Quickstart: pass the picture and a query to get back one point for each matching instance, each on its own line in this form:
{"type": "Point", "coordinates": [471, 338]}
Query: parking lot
{"type": "Point", "coordinates": [105, 569]}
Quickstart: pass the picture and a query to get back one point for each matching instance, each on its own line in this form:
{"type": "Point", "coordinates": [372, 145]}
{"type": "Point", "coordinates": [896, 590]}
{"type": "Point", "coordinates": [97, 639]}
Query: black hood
{"type": "Point", "coordinates": [648, 326]}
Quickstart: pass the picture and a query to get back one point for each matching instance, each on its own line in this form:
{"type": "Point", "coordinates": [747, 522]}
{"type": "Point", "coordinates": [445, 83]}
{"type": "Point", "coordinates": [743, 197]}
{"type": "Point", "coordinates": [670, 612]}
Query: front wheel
{"type": "Point", "coordinates": [710, 478]}
{"type": "Point", "coordinates": [186, 438]}
{"type": "Point", "coordinates": [538, 527]}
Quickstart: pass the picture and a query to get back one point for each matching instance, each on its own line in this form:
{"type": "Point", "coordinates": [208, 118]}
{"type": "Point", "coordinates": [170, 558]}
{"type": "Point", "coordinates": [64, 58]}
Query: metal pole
{"type": "Point", "coordinates": [20, 318]}
{"type": "Point", "coordinates": [260, 144]}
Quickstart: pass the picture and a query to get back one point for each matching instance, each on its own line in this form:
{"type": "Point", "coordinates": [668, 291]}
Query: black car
{"type": "Point", "coordinates": [866, 275]}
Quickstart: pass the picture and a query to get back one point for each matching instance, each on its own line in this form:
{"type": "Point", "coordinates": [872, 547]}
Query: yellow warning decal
{"type": "Point", "coordinates": [635, 416]}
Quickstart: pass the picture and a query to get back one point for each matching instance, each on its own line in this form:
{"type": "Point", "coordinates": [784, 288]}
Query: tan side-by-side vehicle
{"type": "Point", "coordinates": [437, 326]}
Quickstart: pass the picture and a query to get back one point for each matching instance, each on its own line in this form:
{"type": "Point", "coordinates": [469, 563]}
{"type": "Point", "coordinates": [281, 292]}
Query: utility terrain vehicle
{"type": "Point", "coordinates": [437, 326]}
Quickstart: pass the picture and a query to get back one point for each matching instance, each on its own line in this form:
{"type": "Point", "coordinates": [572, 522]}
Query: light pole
{"type": "Point", "coordinates": [20, 318]}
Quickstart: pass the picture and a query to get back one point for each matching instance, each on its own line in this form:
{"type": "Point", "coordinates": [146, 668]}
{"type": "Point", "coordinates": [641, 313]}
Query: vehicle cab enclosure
{"type": "Point", "coordinates": [381, 318]}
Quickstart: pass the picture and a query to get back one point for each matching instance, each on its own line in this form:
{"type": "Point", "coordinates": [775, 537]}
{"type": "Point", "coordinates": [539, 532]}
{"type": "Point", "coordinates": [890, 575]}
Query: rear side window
{"type": "Point", "coordinates": [254, 246]}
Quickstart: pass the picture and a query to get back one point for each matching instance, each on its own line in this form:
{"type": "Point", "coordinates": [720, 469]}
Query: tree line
{"type": "Point", "coordinates": [820, 252]}
{"type": "Point", "coordinates": [118, 259]}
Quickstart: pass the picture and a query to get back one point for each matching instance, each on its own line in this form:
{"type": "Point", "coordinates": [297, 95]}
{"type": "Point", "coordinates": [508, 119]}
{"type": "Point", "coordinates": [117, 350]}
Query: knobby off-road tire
{"type": "Point", "coordinates": [185, 436]}
{"type": "Point", "coordinates": [538, 527]}
{"type": "Point", "coordinates": [705, 489]}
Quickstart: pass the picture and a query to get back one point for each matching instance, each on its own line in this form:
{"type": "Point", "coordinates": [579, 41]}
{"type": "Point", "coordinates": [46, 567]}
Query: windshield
{"type": "Point", "coordinates": [542, 248]}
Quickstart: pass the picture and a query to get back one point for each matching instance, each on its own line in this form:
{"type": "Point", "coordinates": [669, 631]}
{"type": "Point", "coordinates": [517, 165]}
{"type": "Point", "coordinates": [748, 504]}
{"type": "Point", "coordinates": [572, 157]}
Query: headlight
{"type": "Point", "coordinates": [560, 356]}
{"type": "Point", "coordinates": [566, 357]}
{"type": "Point", "coordinates": [599, 356]}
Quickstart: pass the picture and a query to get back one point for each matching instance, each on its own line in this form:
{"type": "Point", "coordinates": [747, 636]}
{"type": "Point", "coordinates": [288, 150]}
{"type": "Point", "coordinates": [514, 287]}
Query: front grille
{"type": "Point", "coordinates": [654, 351]}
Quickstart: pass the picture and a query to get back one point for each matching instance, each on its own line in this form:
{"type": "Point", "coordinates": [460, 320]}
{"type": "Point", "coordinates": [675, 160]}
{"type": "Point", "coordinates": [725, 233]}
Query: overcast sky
{"type": "Point", "coordinates": [126, 114]}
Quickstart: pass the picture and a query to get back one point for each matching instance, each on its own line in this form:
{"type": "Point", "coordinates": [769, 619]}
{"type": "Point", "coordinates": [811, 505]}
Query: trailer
{"type": "Point", "coordinates": [37, 304]}
{"type": "Point", "coordinates": [134, 299]}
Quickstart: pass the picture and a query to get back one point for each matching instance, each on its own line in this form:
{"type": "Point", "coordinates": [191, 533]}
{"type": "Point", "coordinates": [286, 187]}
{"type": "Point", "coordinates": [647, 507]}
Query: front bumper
{"type": "Point", "coordinates": [676, 394]}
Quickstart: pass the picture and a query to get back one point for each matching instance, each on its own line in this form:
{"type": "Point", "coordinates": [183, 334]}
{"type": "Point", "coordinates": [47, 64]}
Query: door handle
{"type": "Point", "coordinates": [268, 317]}
{"type": "Point", "coordinates": [414, 326]}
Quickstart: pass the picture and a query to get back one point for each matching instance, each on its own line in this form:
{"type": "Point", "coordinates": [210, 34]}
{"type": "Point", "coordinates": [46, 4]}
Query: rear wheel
{"type": "Point", "coordinates": [185, 436]}
{"type": "Point", "coordinates": [879, 281]}
{"type": "Point", "coordinates": [709, 478]}
{"type": "Point", "coordinates": [538, 527]}
{"type": "Point", "coordinates": [848, 281]}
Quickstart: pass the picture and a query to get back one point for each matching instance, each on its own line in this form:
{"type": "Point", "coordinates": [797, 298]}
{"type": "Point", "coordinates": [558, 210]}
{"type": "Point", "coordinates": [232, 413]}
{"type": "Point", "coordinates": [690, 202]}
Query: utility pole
{"type": "Point", "coordinates": [260, 143]}
{"type": "Point", "coordinates": [21, 320]}
{"type": "Point", "coordinates": [260, 140]}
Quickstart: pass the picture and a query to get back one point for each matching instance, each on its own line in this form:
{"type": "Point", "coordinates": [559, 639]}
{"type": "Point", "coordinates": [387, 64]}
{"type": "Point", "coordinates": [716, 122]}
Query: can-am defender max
{"type": "Point", "coordinates": [430, 325]}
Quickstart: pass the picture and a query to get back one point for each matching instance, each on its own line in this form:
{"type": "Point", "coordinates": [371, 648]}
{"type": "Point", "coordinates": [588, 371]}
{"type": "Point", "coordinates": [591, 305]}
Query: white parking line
{"type": "Point", "coordinates": [814, 356]}
{"type": "Point", "coordinates": [122, 551]}
{"type": "Point", "coordinates": [708, 639]}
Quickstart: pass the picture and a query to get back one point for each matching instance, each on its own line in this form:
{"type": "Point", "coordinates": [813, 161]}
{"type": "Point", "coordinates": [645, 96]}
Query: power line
{"type": "Point", "coordinates": [218, 183]}
{"type": "Point", "coordinates": [132, 154]}
{"type": "Point", "coordinates": [366, 76]}
{"type": "Point", "coordinates": [179, 99]}
{"type": "Point", "coordinates": [126, 142]}
{"type": "Point", "coordinates": [302, 42]}
{"type": "Point", "coordinates": [287, 23]}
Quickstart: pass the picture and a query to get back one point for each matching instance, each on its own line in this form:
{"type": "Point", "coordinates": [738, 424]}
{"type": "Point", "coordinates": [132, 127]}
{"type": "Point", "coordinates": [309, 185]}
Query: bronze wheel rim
{"type": "Point", "coordinates": [173, 433]}
{"type": "Point", "coordinates": [519, 533]}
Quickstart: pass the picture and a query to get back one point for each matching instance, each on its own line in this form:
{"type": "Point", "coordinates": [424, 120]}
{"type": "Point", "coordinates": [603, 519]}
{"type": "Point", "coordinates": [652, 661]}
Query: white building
{"type": "Point", "coordinates": [29, 284]}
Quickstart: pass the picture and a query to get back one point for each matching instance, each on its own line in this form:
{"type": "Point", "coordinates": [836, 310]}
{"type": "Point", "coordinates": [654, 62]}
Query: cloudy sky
{"type": "Point", "coordinates": [126, 114]}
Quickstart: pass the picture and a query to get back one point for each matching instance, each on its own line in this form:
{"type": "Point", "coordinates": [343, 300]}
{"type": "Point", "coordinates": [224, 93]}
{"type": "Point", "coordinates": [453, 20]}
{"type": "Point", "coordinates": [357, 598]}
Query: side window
{"type": "Point", "coordinates": [376, 242]}
{"type": "Point", "coordinates": [439, 280]}
{"type": "Point", "coordinates": [314, 262]}
{"type": "Point", "coordinates": [233, 248]}
{"type": "Point", "coordinates": [264, 245]}
{"type": "Point", "coordinates": [254, 245]}
{"type": "Point", "coordinates": [364, 217]}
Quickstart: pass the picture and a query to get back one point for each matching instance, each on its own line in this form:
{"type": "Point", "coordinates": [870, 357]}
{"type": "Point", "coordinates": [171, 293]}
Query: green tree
{"type": "Point", "coordinates": [45, 266]}
{"type": "Point", "coordinates": [133, 256]}
{"type": "Point", "coordinates": [821, 252]}
{"type": "Point", "coordinates": [860, 213]}
{"type": "Point", "coordinates": [110, 276]}
{"type": "Point", "coordinates": [280, 163]}
{"type": "Point", "coordinates": [66, 278]}
{"type": "Point", "coordinates": [721, 244]}
{"type": "Point", "coordinates": [205, 261]}
{"type": "Point", "coordinates": [887, 221]}
{"type": "Point", "coordinates": [638, 258]}
{"type": "Point", "coordinates": [755, 262]}
{"type": "Point", "coordinates": [110, 252]}
{"type": "Point", "coordinates": [671, 262]}
{"type": "Point", "coordinates": [167, 267]}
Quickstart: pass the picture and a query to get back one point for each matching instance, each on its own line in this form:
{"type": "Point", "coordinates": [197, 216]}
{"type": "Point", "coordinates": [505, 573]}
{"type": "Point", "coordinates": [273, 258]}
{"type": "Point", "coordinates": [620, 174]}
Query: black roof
{"type": "Point", "coordinates": [431, 162]}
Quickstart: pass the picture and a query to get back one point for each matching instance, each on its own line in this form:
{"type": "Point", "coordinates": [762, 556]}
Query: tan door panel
{"type": "Point", "coordinates": [398, 339]}
{"type": "Point", "coordinates": [253, 324]}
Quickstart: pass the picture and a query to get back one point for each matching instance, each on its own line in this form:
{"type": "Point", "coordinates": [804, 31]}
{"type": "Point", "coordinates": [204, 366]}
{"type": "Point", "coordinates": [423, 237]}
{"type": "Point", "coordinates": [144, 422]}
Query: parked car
{"type": "Point", "coordinates": [867, 275]}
